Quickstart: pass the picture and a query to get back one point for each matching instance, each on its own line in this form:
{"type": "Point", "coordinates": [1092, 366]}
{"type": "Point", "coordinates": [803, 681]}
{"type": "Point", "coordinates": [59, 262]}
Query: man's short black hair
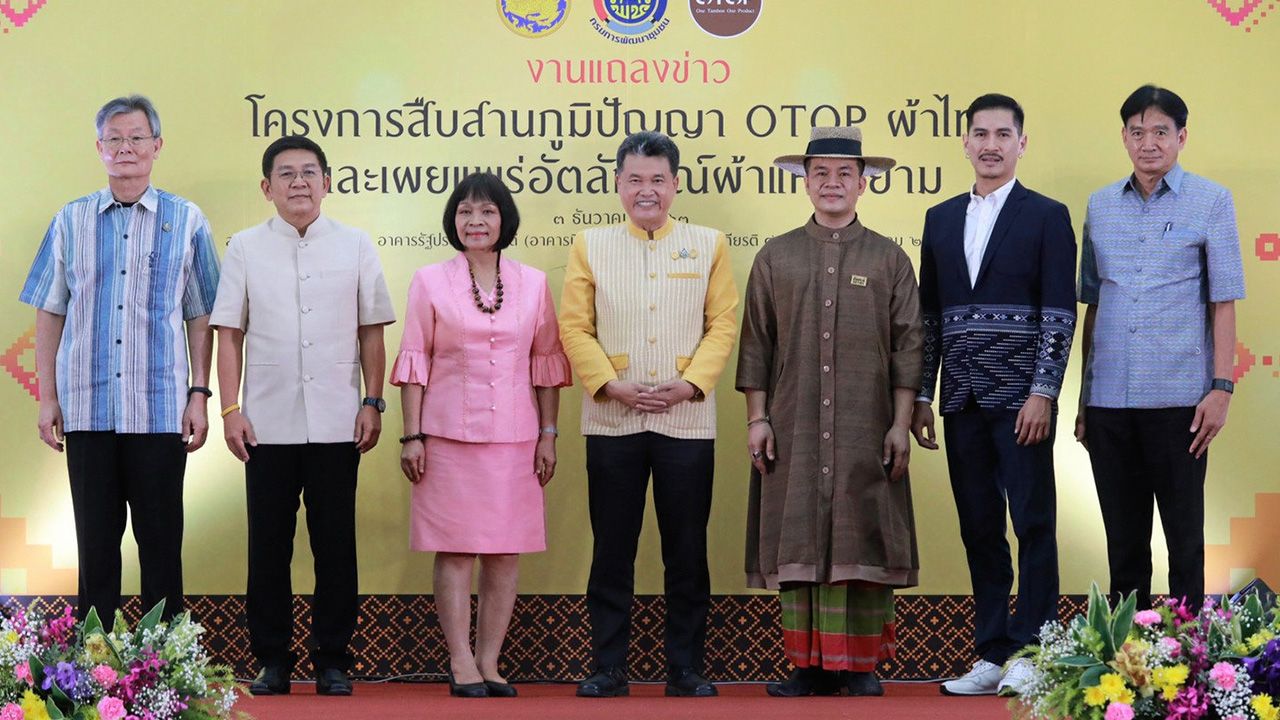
{"type": "Point", "coordinates": [647, 143]}
{"type": "Point", "coordinates": [483, 187]}
{"type": "Point", "coordinates": [291, 142]}
{"type": "Point", "coordinates": [995, 101]}
{"type": "Point", "coordinates": [1162, 99]}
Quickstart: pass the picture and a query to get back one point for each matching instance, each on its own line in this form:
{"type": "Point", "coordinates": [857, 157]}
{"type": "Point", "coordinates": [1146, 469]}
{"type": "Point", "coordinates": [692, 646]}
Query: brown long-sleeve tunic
{"type": "Point", "coordinates": [831, 326]}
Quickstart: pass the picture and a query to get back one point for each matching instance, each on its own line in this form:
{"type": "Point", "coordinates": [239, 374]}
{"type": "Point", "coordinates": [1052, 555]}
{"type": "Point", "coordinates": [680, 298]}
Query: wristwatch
{"type": "Point", "coordinates": [1223, 384]}
{"type": "Point", "coordinates": [376, 403]}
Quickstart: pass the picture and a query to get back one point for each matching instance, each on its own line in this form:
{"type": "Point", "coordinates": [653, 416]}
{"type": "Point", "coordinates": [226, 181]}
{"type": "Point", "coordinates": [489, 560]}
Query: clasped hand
{"type": "Point", "coordinates": [655, 399]}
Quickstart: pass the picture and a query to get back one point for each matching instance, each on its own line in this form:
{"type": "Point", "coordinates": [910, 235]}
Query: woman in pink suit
{"type": "Point", "coordinates": [479, 370]}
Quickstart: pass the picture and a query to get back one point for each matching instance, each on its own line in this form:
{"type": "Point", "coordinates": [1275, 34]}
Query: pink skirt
{"type": "Point", "coordinates": [481, 498]}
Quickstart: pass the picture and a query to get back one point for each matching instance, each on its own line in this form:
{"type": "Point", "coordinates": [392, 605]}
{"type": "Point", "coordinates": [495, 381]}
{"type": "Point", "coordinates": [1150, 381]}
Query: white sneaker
{"type": "Point", "coordinates": [1017, 678]}
{"type": "Point", "coordinates": [981, 680]}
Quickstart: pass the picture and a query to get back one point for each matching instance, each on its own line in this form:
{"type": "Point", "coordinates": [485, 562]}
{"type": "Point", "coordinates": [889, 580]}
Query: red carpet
{"type": "Point", "coordinates": [405, 701]}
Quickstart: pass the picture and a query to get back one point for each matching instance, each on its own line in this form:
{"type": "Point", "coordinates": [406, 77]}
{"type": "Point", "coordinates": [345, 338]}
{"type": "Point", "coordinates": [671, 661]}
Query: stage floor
{"type": "Point", "coordinates": [405, 701]}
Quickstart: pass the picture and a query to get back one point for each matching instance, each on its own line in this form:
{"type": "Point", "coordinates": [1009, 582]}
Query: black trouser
{"type": "Point", "coordinates": [989, 470]}
{"type": "Point", "coordinates": [1141, 456]}
{"type": "Point", "coordinates": [325, 476]}
{"type": "Point", "coordinates": [618, 470]}
{"type": "Point", "coordinates": [115, 476]}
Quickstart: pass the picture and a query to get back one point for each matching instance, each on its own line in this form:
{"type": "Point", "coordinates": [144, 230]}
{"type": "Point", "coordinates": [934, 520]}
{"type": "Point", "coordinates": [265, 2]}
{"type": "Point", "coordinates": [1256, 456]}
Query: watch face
{"type": "Point", "coordinates": [376, 403]}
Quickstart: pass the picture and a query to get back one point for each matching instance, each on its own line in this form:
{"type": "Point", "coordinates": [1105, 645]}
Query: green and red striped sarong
{"type": "Point", "coordinates": [844, 626]}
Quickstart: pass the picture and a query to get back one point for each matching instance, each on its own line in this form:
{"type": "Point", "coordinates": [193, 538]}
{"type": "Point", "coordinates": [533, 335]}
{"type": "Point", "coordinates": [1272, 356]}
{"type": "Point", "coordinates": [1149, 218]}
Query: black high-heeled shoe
{"type": "Point", "coordinates": [467, 690]}
{"type": "Point", "coordinates": [500, 689]}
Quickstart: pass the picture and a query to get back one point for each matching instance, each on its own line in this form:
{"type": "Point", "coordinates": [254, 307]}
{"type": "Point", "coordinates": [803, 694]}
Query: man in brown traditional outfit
{"type": "Point", "coordinates": [830, 362]}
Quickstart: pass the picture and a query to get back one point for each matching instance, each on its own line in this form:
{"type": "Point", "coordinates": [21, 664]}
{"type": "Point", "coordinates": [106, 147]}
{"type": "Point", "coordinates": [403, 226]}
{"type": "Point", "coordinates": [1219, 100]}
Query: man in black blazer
{"type": "Point", "coordinates": [997, 292]}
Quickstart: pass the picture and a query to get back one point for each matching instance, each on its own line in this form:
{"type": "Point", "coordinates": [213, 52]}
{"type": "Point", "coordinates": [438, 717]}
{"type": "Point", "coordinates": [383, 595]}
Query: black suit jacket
{"type": "Point", "coordinates": [1009, 335]}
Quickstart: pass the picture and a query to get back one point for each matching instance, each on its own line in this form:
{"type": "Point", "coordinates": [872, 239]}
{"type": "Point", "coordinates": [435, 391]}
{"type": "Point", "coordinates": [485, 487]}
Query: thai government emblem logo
{"type": "Point", "coordinates": [725, 18]}
{"type": "Point", "coordinates": [630, 21]}
{"type": "Point", "coordinates": [533, 18]}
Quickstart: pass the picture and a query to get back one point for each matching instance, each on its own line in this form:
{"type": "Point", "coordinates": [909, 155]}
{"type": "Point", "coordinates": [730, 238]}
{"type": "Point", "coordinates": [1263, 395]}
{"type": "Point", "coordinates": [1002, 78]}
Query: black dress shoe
{"type": "Point", "coordinates": [468, 690]}
{"type": "Point", "coordinates": [607, 682]}
{"type": "Point", "coordinates": [332, 681]}
{"type": "Point", "coordinates": [499, 689]}
{"type": "Point", "coordinates": [806, 681]}
{"type": "Point", "coordinates": [686, 682]}
{"type": "Point", "coordinates": [863, 684]}
{"type": "Point", "coordinates": [271, 680]}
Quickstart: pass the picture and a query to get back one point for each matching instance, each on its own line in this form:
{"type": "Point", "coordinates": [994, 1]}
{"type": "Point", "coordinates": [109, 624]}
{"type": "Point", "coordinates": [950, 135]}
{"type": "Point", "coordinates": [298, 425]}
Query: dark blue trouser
{"type": "Point", "coordinates": [989, 473]}
{"type": "Point", "coordinates": [618, 470]}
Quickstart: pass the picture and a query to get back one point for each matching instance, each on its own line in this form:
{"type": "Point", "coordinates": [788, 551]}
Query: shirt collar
{"type": "Point", "coordinates": [998, 196]}
{"type": "Point", "coordinates": [150, 199]}
{"type": "Point", "coordinates": [1172, 181]}
{"type": "Point", "coordinates": [822, 232]}
{"type": "Point", "coordinates": [320, 226]}
{"type": "Point", "coordinates": [639, 232]}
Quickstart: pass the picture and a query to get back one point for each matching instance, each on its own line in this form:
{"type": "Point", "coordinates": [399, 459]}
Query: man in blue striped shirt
{"type": "Point", "coordinates": [118, 274]}
{"type": "Point", "coordinates": [1160, 272]}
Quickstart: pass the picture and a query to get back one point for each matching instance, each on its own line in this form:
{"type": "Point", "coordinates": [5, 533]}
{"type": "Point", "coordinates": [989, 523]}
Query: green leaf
{"type": "Point", "coordinates": [92, 623]}
{"type": "Point", "coordinates": [56, 693]}
{"type": "Point", "coordinates": [1093, 676]}
{"type": "Point", "coordinates": [1100, 619]}
{"type": "Point", "coordinates": [37, 671]}
{"type": "Point", "coordinates": [152, 618]}
{"type": "Point", "coordinates": [52, 708]}
{"type": "Point", "coordinates": [1122, 621]}
{"type": "Point", "coordinates": [1078, 661]}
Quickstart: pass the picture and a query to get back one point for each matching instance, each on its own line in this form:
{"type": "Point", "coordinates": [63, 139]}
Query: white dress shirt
{"type": "Point", "coordinates": [979, 219]}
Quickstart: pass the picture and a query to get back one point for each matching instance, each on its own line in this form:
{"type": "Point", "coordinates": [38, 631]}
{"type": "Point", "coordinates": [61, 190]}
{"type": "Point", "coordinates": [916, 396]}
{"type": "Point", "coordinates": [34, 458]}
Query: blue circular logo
{"type": "Point", "coordinates": [533, 18]}
{"type": "Point", "coordinates": [631, 17]}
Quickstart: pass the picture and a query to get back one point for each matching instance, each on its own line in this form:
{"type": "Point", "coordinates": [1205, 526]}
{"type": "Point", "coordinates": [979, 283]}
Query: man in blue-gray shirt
{"type": "Point", "coordinates": [1160, 272]}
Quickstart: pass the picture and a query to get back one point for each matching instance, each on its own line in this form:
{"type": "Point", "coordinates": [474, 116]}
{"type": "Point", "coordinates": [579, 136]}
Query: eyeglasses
{"type": "Point", "coordinates": [308, 175]}
{"type": "Point", "coordinates": [114, 143]}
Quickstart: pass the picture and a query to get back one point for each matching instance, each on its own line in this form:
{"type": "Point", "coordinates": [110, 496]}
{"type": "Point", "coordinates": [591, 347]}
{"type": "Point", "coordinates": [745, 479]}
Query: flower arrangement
{"type": "Point", "coordinates": [1221, 663]}
{"type": "Point", "coordinates": [60, 669]}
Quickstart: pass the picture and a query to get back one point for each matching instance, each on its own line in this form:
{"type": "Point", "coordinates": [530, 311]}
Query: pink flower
{"type": "Point", "coordinates": [1147, 618]}
{"type": "Point", "coordinates": [1115, 711]}
{"type": "Point", "coordinates": [22, 671]}
{"type": "Point", "coordinates": [12, 711]}
{"type": "Point", "coordinates": [1223, 675]}
{"type": "Point", "coordinates": [1234, 717]}
{"type": "Point", "coordinates": [104, 675]}
{"type": "Point", "coordinates": [1171, 646]}
{"type": "Point", "coordinates": [111, 708]}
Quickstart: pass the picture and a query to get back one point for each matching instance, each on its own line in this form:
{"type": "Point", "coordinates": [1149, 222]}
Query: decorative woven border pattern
{"type": "Point", "coordinates": [550, 639]}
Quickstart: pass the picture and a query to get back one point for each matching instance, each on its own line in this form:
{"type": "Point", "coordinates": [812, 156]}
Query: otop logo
{"type": "Point", "coordinates": [533, 18]}
{"type": "Point", "coordinates": [725, 18]}
{"type": "Point", "coordinates": [630, 21]}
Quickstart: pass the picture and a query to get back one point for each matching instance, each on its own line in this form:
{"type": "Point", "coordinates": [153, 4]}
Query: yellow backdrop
{"type": "Point", "coordinates": [225, 75]}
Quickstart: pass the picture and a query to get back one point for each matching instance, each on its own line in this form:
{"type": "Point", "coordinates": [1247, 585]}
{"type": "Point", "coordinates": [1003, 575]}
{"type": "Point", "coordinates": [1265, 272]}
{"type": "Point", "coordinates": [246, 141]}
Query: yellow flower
{"type": "Point", "coordinates": [11, 638]}
{"type": "Point", "coordinates": [33, 708]}
{"type": "Point", "coordinates": [1095, 696]}
{"type": "Point", "coordinates": [1112, 685]}
{"type": "Point", "coordinates": [1240, 648]}
{"type": "Point", "coordinates": [1169, 679]}
{"type": "Point", "coordinates": [1263, 707]}
{"type": "Point", "coordinates": [1259, 639]}
{"type": "Point", "coordinates": [97, 647]}
{"type": "Point", "coordinates": [1126, 697]}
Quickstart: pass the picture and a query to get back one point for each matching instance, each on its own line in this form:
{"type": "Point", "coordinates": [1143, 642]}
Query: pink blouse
{"type": "Point", "coordinates": [480, 369]}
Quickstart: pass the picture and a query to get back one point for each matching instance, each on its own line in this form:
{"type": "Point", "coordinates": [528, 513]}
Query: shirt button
{"type": "Point", "coordinates": [826, 436]}
{"type": "Point", "coordinates": [126, 236]}
{"type": "Point", "coordinates": [302, 276]}
{"type": "Point", "coordinates": [1146, 210]}
{"type": "Point", "coordinates": [493, 362]}
{"type": "Point", "coordinates": [117, 374]}
{"type": "Point", "coordinates": [118, 341]}
{"type": "Point", "coordinates": [653, 275]}
{"type": "Point", "coordinates": [831, 271]}
{"type": "Point", "coordinates": [492, 384]}
{"type": "Point", "coordinates": [826, 336]}
{"type": "Point", "coordinates": [302, 244]}
{"type": "Point", "coordinates": [835, 236]}
{"type": "Point", "coordinates": [122, 272]}
{"type": "Point", "coordinates": [652, 306]}
{"type": "Point", "coordinates": [306, 378]}
{"type": "Point", "coordinates": [1139, 269]}
{"type": "Point", "coordinates": [826, 470]}
{"type": "Point", "coordinates": [653, 373]}
{"type": "Point", "coordinates": [306, 343]}
{"type": "Point", "coordinates": [826, 402]}
{"type": "Point", "coordinates": [826, 368]}
{"type": "Point", "coordinates": [306, 309]}
{"type": "Point", "coordinates": [1142, 238]}
{"type": "Point", "coordinates": [826, 303]}
{"type": "Point", "coordinates": [119, 307]}
{"type": "Point", "coordinates": [493, 407]}
{"type": "Point", "coordinates": [491, 340]}
{"type": "Point", "coordinates": [653, 340]}
{"type": "Point", "coordinates": [653, 246]}
{"type": "Point", "coordinates": [1133, 328]}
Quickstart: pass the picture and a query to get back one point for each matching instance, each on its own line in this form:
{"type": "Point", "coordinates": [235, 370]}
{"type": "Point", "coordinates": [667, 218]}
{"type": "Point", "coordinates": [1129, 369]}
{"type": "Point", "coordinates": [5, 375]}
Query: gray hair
{"type": "Point", "coordinates": [128, 104]}
{"type": "Point", "coordinates": [648, 143]}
